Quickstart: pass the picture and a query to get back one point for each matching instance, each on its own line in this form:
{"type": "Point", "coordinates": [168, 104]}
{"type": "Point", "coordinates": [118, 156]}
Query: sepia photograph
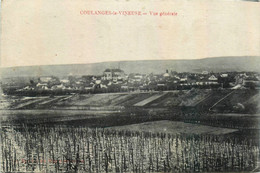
{"type": "Point", "coordinates": [129, 86]}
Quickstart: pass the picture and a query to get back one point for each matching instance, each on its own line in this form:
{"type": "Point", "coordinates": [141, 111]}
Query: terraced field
{"type": "Point", "coordinates": [96, 100]}
{"type": "Point", "coordinates": [137, 97]}
{"type": "Point", "coordinates": [193, 98]}
{"type": "Point", "coordinates": [150, 99]}
{"type": "Point", "coordinates": [173, 99]}
{"type": "Point", "coordinates": [215, 100]}
{"type": "Point", "coordinates": [212, 98]}
{"type": "Point", "coordinates": [237, 101]}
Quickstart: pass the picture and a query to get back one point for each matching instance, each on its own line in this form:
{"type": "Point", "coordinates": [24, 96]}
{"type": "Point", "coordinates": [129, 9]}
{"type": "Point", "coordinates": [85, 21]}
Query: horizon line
{"type": "Point", "coordinates": [243, 56]}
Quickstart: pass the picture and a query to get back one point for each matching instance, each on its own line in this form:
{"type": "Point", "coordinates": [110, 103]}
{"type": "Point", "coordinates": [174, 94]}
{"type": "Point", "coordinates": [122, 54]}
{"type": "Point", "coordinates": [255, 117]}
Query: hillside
{"type": "Point", "coordinates": [215, 64]}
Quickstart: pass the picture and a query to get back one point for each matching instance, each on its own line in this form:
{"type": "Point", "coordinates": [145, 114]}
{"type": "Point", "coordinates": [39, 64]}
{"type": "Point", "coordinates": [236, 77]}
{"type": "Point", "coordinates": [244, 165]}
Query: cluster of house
{"type": "Point", "coordinates": [115, 80]}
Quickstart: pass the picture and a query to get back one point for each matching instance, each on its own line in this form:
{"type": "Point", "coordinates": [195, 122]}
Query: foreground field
{"type": "Point", "coordinates": [81, 149]}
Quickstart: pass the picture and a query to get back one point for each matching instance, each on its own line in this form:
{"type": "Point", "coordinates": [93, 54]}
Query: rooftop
{"type": "Point", "coordinates": [113, 70]}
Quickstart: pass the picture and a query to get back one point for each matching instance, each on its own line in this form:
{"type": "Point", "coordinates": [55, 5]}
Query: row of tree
{"type": "Point", "coordinates": [61, 149]}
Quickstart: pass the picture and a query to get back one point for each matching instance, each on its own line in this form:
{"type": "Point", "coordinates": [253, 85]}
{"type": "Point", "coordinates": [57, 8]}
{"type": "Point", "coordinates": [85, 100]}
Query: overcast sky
{"type": "Point", "coordinates": [43, 32]}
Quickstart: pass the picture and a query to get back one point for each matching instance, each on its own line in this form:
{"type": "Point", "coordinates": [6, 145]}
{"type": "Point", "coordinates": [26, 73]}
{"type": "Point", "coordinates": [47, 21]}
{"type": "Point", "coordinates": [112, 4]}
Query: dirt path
{"type": "Point", "coordinates": [149, 100]}
{"type": "Point", "coordinates": [221, 100]}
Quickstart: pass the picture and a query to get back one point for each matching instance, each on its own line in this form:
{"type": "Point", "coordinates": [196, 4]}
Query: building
{"type": "Point", "coordinates": [114, 74]}
{"type": "Point", "coordinates": [224, 75]}
{"type": "Point", "coordinates": [46, 79]}
{"type": "Point", "coordinates": [166, 74]}
{"type": "Point", "coordinates": [205, 73]}
{"type": "Point", "coordinates": [213, 78]}
{"type": "Point", "coordinates": [135, 77]}
{"type": "Point", "coordinates": [251, 82]}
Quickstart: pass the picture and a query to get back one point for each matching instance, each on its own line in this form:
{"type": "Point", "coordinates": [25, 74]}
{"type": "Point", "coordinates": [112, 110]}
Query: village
{"type": "Point", "coordinates": [116, 80]}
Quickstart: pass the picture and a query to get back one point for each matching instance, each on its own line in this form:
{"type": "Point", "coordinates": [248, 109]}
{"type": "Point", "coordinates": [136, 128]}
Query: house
{"type": "Point", "coordinates": [205, 73]}
{"type": "Point", "coordinates": [64, 81]}
{"type": "Point", "coordinates": [183, 79]}
{"type": "Point", "coordinates": [124, 87]}
{"type": "Point", "coordinates": [49, 79]}
{"type": "Point", "coordinates": [224, 75]}
{"type": "Point", "coordinates": [135, 77]}
{"type": "Point", "coordinates": [103, 86]}
{"type": "Point", "coordinates": [27, 88]}
{"type": "Point", "coordinates": [251, 81]}
{"type": "Point", "coordinates": [42, 86]}
{"type": "Point", "coordinates": [98, 82]}
{"type": "Point", "coordinates": [45, 79]}
{"type": "Point", "coordinates": [89, 87]}
{"type": "Point", "coordinates": [166, 75]}
{"type": "Point", "coordinates": [207, 81]}
{"type": "Point", "coordinates": [213, 78]}
{"type": "Point", "coordinates": [55, 87]}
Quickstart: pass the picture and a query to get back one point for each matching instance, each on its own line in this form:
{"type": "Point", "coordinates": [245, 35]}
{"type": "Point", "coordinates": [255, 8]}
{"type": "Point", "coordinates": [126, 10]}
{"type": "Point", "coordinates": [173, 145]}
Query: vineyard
{"type": "Point", "coordinates": [82, 149]}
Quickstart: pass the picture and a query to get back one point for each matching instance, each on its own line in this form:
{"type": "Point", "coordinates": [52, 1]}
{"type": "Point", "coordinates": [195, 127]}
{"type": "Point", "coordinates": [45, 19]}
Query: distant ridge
{"type": "Point", "coordinates": [215, 64]}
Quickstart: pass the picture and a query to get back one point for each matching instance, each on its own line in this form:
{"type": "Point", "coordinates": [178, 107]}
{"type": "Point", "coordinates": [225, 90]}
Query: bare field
{"type": "Point", "coordinates": [96, 100]}
{"type": "Point", "coordinates": [174, 127]}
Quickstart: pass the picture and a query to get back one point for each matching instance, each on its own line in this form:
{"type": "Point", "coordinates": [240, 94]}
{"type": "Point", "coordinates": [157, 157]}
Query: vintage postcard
{"type": "Point", "coordinates": [129, 86]}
